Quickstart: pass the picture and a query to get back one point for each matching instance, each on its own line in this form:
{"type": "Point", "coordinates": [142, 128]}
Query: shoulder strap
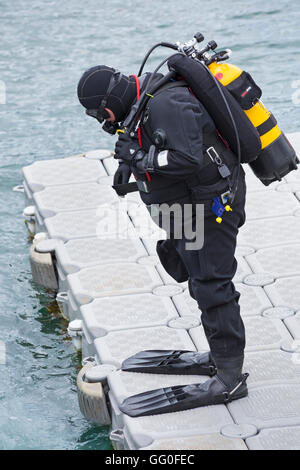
{"type": "Point", "coordinates": [167, 86]}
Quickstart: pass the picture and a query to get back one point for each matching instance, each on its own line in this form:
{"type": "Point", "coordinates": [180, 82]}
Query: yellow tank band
{"type": "Point", "coordinates": [258, 114]}
{"type": "Point", "coordinates": [270, 136]}
{"type": "Point", "coordinates": [225, 73]}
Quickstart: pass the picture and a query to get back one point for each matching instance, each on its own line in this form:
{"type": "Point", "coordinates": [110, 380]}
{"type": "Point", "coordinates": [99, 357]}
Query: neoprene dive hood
{"type": "Point", "coordinates": [232, 98]}
{"type": "Point", "coordinates": [103, 87]}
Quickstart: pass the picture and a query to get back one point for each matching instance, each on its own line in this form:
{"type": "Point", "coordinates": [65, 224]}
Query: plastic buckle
{"type": "Point", "coordinates": [150, 162]}
{"type": "Point", "coordinates": [225, 197]}
{"type": "Point", "coordinates": [245, 377]}
{"type": "Point", "coordinates": [214, 156]}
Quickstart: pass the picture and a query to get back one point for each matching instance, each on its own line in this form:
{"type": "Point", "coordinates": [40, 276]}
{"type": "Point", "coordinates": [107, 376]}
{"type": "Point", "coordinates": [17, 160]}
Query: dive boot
{"type": "Point", "coordinates": [184, 397]}
{"type": "Point", "coordinates": [171, 362]}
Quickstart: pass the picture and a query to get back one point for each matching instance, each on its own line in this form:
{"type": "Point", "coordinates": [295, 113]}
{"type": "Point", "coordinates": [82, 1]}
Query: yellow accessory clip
{"type": "Point", "coordinates": [228, 208]}
{"type": "Point", "coordinates": [120, 131]}
{"type": "Point", "coordinates": [219, 220]}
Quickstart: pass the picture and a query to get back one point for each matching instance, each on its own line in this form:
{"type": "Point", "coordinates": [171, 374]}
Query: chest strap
{"type": "Point", "coordinates": [211, 140]}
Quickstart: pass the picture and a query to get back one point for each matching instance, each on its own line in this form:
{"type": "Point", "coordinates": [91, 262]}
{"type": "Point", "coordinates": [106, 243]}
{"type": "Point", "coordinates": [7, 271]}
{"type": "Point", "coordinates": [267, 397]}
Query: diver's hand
{"type": "Point", "coordinates": [126, 148]}
{"type": "Point", "coordinates": [122, 175]}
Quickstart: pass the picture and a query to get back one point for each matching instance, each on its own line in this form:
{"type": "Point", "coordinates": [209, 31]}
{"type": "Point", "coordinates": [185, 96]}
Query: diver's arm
{"type": "Point", "coordinates": [180, 115]}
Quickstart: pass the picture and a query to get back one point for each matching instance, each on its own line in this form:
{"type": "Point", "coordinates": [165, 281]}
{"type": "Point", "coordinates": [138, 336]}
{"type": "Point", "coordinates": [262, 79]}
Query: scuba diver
{"type": "Point", "coordinates": [169, 141]}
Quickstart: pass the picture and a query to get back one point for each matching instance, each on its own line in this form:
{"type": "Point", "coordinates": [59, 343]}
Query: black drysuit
{"type": "Point", "coordinates": [188, 176]}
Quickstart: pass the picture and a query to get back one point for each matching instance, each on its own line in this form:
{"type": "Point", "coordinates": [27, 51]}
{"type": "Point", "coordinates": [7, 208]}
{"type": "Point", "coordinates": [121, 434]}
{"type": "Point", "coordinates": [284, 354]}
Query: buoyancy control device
{"type": "Point", "coordinates": [232, 98]}
{"type": "Point", "coordinates": [276, 157]}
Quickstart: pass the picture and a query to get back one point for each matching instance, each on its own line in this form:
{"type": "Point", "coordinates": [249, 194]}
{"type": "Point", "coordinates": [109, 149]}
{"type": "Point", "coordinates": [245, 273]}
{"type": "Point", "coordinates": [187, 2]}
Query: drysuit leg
{"type": "Point", "coordinates": [211, 270]}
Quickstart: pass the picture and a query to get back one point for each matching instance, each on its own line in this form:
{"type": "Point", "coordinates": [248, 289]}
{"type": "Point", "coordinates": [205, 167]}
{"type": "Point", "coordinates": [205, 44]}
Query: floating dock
{"type": "Point", "coordinates": [99, 255]}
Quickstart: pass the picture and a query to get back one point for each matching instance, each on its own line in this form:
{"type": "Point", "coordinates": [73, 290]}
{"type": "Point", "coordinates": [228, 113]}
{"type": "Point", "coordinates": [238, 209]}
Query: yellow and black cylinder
{"type": "Point", "coordinates": [277, 156]}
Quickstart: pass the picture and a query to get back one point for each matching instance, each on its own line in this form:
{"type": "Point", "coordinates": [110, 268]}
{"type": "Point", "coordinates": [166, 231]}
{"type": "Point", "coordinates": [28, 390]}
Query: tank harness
{"type": "Point", "coordinates": [213, 147]}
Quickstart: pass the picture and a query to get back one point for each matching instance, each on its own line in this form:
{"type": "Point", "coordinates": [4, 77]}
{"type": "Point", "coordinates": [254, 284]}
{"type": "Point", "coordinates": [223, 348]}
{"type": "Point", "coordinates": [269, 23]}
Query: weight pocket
{"type": "Point", "coordinates": [245, 90]}
{"type": "Point", "coordinates": [204, 194]}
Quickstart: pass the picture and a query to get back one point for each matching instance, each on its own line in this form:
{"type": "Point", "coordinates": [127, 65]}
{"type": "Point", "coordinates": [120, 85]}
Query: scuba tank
{"type": "Point", "coordinates": [277, 157]}
{"type": "Point", "coordinates": [232, 98]}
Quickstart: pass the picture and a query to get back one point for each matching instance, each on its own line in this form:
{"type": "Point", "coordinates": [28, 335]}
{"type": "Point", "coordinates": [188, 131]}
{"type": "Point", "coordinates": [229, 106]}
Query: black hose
{"type": "Point", "coordinates": [132, 119]}
{"type": "Point", "coordinates": [162, 44]}
{"type": "Point", "coordinates": [156, 70]}
{"type": "Point", "coordinates": [238, 144]}
{"type": "Point", "coordinates": [145, 98]}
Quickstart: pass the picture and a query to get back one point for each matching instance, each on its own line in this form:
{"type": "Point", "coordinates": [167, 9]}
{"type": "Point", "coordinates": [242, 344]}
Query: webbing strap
{"type": "Point", "coordinates": [123, 189]}
{"type": "Point", "coordinates": [267, 125]}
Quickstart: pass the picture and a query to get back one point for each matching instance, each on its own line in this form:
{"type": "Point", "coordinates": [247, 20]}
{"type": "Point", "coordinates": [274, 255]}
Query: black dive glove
{"type": "Point", "coordinates": [126, 148]}
{"type": "Point", "coordinates": [122, 175]}
{"type": "Point", "coordinates": [130, 152]}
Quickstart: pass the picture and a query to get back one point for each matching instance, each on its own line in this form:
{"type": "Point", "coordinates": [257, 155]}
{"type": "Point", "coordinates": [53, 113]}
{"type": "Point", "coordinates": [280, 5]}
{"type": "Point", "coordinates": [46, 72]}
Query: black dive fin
{"type": "Point", "coordinates": [170, 362]}
{"type": "Point", "coordinates": [183, 397]}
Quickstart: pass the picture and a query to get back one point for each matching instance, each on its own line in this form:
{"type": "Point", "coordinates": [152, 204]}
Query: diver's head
{"type": "Point", "coordinates": [106, 93]}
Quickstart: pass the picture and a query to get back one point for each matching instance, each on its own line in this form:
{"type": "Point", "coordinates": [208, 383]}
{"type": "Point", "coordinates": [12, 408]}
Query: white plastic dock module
{"type": "Point", "coordinates": [271, 367]}
{"type": "Point", "coordinates": [263, 233]}
{"type": "Point", "coordinates": [242, 269]}
{"type": "Point", "coordinates": [272, 334]}
{"type": "Point", "coordinates": [287, 438]}
{"type": "Point", "coordinates": [141, 432]}
{"type": "Point", "coordinates": [186, 305]}
{"type": "Point", "coordinates": [117, 346]}
{"type": "Point", "coordinates": [124, 313]}
{"type": "Point", "coordinates": [268, 406]}
{"type": "Point", "coordinates": [281, 261]}
{"type": "Point", "coordinates": [62, 171]}
{"type": "Point", "coordinates": [212, 441]}
{"type": "Point", "coordinates": [253, 300]}
{"type": "Point", "coordinates": [85, 252]}
{"type": "Point", "coordinates": [254, 184]}
{"type": "Point", "coordinates": [101, 222]}
{"type": "Point", "coordinates": [73, 197]}
{"type": "Point", "coordinates": [293, 324]}
{"type": "Point", "coordinates": [110, 278]}
{"type": "Point", "coordinates": [261, 205]}
{"type": "Point", "coordinates": [285, 292]}
{"type": "Point", "coordinates": [110, 165]}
